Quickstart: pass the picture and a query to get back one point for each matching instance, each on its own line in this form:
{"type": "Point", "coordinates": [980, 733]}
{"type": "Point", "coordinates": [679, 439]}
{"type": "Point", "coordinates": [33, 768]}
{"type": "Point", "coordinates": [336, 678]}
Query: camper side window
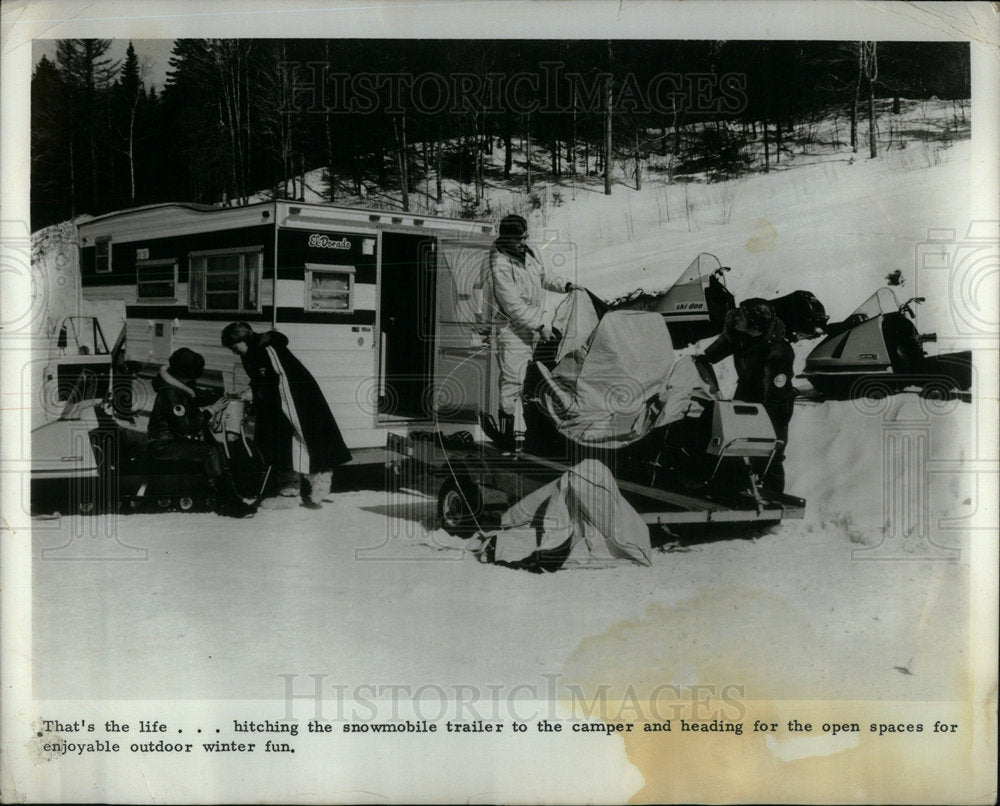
{"type": "Point", "coordinates": [329, 288]}
{"type": "Point", "coordinates": [225, 280]}
{"type": "Point", "coordinates": [156, 279]}
{"type": "Point", "coordinates": [102, 255]}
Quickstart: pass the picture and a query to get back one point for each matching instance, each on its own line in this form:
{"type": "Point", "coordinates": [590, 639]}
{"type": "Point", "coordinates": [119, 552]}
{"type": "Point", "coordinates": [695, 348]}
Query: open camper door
{"type": "Point", "coordinates": [463, 361]}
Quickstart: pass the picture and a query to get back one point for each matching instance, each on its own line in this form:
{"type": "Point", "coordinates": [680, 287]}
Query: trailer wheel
{"type": "Point", "coordinates": [185, 503]}
{"type": "Point", "coordinates": [460, 507]}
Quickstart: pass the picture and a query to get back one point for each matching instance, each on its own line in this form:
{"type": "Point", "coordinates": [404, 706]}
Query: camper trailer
{"type": "Point", "coordinates": [382, 307]}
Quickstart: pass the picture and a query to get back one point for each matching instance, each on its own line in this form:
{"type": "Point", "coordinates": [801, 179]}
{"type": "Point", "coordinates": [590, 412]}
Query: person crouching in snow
{"type": "Point", "coordinates": [176, 430]}
{"type": "Point", "coordinates": [294, 427]}
{"type": "Point", "coordinates": [755, 337]}
{"type": "Point", "coordinates": [518, 283]}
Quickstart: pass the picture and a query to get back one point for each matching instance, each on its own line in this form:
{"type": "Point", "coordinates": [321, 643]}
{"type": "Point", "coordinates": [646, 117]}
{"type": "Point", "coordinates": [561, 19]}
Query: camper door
{"type": "Point", "coordinates": [463, 366]}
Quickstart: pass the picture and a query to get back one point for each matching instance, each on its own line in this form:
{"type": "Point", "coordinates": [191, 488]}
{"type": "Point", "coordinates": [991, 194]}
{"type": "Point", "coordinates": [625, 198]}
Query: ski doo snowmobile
{"type": "Point", "coordinates": [93, 458]}
{"type": "Point", "coordinates": [877, 351]}
{"type": "Point", "coordinates": [694, 307]}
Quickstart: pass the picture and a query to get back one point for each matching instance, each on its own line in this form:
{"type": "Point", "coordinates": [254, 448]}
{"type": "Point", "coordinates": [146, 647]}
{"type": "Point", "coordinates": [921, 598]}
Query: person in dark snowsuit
{"type": "Point", "coordinates": [176, 429]}
{"type": "Point", "coordinates": [755, 337]}
{"type": "Point", "coordinates": [294, 426]}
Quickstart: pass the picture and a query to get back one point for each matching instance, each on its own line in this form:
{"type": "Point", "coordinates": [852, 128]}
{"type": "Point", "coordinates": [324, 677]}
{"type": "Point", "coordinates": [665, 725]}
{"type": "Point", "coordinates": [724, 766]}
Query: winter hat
{"type": "Point", "coordinates": [513, 227]}
{"type": "Point", "coordinates": [757, 313]}
{"type": "Point", "coordinates": [186, 364]}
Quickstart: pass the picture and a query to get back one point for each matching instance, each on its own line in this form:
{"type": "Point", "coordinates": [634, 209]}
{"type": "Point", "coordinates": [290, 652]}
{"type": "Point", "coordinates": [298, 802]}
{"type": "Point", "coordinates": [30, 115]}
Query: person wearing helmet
{"type": "Point", "coordinates": [517, 282]}
{"type": "Point", "coordinates": [755, 337]}
{"type": "Point", "coordinates": [176, 430]}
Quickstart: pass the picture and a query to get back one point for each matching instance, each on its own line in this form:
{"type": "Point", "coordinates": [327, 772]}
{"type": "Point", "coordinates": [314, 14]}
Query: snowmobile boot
{"type": "Point", "coordinates": [500, 431]}
{"type": "Point", "coordinates": [506, 441]}
{"type": "Point", "coordinates": [490, 428]}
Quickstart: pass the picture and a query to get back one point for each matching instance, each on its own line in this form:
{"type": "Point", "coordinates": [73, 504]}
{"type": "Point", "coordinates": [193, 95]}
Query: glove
{"type": "Point", "coordinates": [545, 333]}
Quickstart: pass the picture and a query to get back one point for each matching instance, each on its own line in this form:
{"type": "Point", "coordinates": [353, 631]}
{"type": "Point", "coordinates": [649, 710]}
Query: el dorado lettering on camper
{"type": "Point", "coordinates": [325, 242]}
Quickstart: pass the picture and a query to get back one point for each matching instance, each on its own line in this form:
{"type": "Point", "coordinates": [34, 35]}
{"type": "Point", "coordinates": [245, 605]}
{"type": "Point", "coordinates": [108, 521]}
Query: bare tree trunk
{"type": "Point", "coordinates": [767, 146]}
{"type": "Point", "coordinates": [404, 181]}
{"type": "Point", "coordinates": [437, 155]}
{"type": "Point", "coordinates": [571, 147]}
{"type": "Point", "coordinates": [608, 107]}
{"type": "Point", "coordinates": [508, 154]}
{"type": "Point", "coordinates": [131, 149]}
{"type": "Point", "coordinates": [871, 72]}
{"type": "Point", "coordinates": [427, 169]}
{"type": "Point", "coordinates": [638, 164]}
{"type": "Point", "coordinates": [854, 116]}
{"type": "Point", "coordinates": [527, 151]}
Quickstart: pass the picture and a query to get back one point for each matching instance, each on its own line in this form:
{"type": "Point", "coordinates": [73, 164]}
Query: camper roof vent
{"type": "Point", "coordinates": [397, 220]}
{"type": "Point", "coordinates": [374, 218]}
{"type": "Point", "coordinates": [418, 222]}
{"type": "Point", "coordinates": [487, 228]}
{"type": "Point", "coordinates": [295, 211]}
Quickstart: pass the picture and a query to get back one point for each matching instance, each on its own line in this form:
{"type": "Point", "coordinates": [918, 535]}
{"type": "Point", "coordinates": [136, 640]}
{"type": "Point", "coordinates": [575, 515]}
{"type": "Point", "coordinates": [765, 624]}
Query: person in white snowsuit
{"type": "Point", "coordinates": [518, 289]}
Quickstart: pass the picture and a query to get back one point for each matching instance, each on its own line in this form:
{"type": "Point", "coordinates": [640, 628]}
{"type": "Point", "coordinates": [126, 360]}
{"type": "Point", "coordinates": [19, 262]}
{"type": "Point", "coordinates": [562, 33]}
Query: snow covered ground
{"type": "Point", "coordinates": [866, 598]}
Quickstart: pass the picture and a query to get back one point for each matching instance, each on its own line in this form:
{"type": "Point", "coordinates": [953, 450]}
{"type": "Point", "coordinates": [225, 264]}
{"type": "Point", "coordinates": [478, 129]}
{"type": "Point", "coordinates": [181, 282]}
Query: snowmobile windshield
{"type": "Point", "coordinates": [882, 301]}
{"type": "Point", "coordinates": [699, 270]}
{"type": "Point", "coordinates": [82, 335]}
{"type": "Point", "coordinates": [84, 390]}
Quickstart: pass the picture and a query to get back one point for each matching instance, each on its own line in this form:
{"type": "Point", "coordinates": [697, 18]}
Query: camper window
{"type": "Point", "coordinates": [156, 279]}
{"type": "Point", "coordinates": [226, 280]}
{"type": "Point", "coordinates": [102, 259]}
{"type": "Point", "coordinates": [329, 288]}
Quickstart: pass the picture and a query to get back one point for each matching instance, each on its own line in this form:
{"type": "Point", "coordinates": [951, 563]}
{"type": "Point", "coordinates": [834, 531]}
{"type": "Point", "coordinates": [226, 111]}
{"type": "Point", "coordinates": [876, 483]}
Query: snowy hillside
{"type": "Point", "coordinates": [883, 480]}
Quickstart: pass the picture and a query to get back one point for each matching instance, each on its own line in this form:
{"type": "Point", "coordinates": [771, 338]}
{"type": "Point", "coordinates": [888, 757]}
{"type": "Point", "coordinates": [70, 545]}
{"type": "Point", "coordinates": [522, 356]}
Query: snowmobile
{"type": "Point", "coordinates": [877, 351]}
{"type": "Point", "coordinates": [694, 307]}
{"type": "Point", "coordinates": [612, 389]}
{"type": "Point", "coordinates": [93, 458]}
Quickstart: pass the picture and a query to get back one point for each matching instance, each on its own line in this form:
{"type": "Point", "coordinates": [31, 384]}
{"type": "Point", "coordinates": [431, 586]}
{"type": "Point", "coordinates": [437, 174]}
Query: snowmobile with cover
{"type": "Point", "coordinates": [612, 390]}
{"type": "Point", "coordinates": [877, 351]}
{"type": "Point", "coordinates": [93, 458]}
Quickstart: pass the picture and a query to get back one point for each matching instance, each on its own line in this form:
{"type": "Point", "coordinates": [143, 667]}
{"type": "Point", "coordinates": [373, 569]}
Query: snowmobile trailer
{"type": "Point", "coordinates": [611, 389]}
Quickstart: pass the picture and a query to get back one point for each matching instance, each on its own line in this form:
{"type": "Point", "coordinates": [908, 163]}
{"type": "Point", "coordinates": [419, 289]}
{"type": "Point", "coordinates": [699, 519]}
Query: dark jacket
{"type": "Point", "coordinates": [294, 426]}
{"type": "Point", "coordinates": [176, 416]}
{"type": "Point", "coordinates": [764, 364]}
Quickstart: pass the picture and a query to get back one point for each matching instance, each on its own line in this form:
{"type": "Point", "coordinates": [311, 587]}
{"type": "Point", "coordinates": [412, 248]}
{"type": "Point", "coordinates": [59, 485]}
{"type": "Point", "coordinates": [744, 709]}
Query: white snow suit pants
{"type": "Point", "coordinates": [513, 354]}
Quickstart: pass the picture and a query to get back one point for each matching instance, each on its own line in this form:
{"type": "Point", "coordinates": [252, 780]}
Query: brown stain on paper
{"type": "Point", "coordinates": [763, 238]}
{"type": "Point", "coordinates": [769, 672]}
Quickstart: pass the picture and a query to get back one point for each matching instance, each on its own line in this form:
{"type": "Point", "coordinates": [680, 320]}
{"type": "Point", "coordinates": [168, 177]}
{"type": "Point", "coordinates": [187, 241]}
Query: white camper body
{"type": "Point", "coordinates": [382, 307]}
